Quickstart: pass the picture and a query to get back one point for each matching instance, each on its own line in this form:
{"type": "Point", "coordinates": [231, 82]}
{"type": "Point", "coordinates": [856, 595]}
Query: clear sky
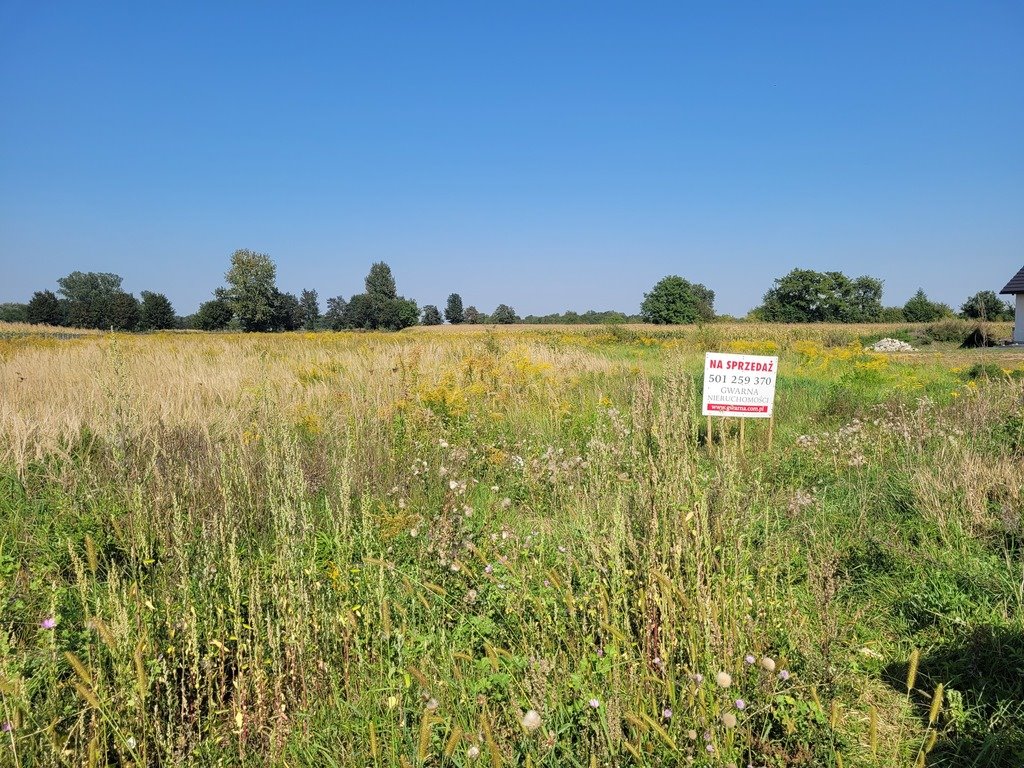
{"type": "Point", "coordinates": [547, 155]}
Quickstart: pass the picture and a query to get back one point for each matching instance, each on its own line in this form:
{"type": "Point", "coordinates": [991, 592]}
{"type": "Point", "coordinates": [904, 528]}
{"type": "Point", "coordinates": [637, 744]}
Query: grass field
{"type": "Point", "coordinates": [508, 547]}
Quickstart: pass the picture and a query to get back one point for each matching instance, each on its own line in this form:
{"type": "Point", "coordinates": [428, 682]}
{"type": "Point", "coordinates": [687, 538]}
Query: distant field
{"type": "Point", "coordinates": [510, 545]}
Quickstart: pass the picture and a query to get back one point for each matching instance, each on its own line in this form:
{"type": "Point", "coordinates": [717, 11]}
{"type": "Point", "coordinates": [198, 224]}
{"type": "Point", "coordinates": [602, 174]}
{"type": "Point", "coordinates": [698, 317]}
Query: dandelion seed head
{"type": "Point", "coordinates": [724, 679]}
{"type": "Point", "coordinates": [768, 663]}
{"type": "Point", "coordinates": [473, 752]}
{"type": "Point", "coordinates": [531, 720]}
{"type": "Point", "coordinates": [729, 720]}
{"type": "Point", "coordinates": [691, 735]}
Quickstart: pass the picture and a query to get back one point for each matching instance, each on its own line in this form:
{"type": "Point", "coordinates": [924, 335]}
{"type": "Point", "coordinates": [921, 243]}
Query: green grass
{"type": "Point", "coordinates": [401, 588]}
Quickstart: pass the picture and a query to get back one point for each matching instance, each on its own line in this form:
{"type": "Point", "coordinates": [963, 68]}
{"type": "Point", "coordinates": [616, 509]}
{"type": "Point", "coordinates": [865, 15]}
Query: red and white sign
{"type": "Point", "coordinates": [739, 385]}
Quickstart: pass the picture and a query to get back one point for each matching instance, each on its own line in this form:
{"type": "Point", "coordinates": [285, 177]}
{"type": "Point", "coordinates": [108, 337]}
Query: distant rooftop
{"type": "Point", "coordinates": [1016, 284]}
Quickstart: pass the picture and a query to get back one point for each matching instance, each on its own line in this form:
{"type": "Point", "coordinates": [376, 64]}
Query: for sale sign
{"type": "Point", "coordinates": [739, 385]}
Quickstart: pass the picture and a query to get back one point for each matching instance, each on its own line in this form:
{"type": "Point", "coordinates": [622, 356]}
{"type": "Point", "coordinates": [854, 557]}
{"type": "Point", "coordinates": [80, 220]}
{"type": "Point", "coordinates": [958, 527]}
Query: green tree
{"type": "Point", "coordinates": [431, 315]}
{"type": "Point", "coordinates": [453, 311]}
{"type": "Point", "coordinates": [88, 297]}
{"type": "Point", "coordinates": [919, 309]}
{"type": "Point", "coordinates": [335, 316]}
{"type": "Point", "coordinates": [472, 316]}
{"type": "Point", "coordinates": [310, 303]}
{"type": "Point", "coordinates": [674, 300]}
{"type": "Point", "coordinates": [380, 307]}
{"type": "Point", "coordinates": [252, 291]}
{"type": "Point", "coordinates": [123, 312]}
{"type": "Point", "coordinates": [288, 314]}
{"type": "Point", "coordinates": [44, 308]}
{"type": "Point", "coordinates": [396, 314]}
{"type": "Point", "coordinates": [504, 315]}
{"type": "Point", "coordinates": [13, 312]}
{"type": "Point", "coordinates": [806, 296]}
{"type": "Point", "coordinates": [360, 312]}
{"type": "Point", "coordinates": [985, 305]}
{"type": "Point", "coordinates": [380, 282]}
{"type": "Point", "coordinates": [213, 315]}
{"type": "Point", "coordinates": [866, 300]}
{"type": "Point", "coordinates": [156, 312]}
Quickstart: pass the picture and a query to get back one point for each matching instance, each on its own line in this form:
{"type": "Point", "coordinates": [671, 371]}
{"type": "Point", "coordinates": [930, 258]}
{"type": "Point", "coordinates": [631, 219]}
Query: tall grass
{"type": "Point", "coordinates": [521, 548]}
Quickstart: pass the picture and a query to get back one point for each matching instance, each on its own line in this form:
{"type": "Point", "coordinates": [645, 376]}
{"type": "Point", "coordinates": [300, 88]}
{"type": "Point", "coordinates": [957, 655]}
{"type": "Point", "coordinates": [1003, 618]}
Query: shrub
{"type": "Point", "coordinates": [950, 330]}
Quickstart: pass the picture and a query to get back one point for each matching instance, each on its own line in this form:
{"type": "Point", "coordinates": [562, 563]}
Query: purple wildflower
{"type": "Point", "coordinates": [594, 703]}
{"type": "Point", "coordinates": [784, 675]}
{"type": "Point", "coordinates": [488, 568]}
{"type": "Point", "coordinates": [749, 660]}
{"type": "Point", "coordinates": [709, 747]}
{"type": "Point", "coordinates": [48, 623]}
{"type": "Point", "coordinates": [698, 678]}
{"type": "Point", "coordinates": [666, 714]}
{"type": "Point", "coordinates": [7, 727]}
{"type": "Point", "coordinates": [741, 704]}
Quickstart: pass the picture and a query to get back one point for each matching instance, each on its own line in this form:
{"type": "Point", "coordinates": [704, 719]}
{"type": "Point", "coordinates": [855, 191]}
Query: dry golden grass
{"type": "Point", "coordinates": [222, 384]}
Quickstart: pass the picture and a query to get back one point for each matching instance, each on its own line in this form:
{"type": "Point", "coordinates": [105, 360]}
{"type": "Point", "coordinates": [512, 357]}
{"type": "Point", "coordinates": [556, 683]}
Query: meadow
{"type": "Point", "coordinates": [499, 547]}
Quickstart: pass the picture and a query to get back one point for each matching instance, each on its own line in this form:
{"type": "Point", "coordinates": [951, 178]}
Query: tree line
{"type": "Point", "coordinates": [251, 301]}
{"type": "Point", "coordinates": [248, 301]}
{"type": "Point", "coordinates": [807, 296]}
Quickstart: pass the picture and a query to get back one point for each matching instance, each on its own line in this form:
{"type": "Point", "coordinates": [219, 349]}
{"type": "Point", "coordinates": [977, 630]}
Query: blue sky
{"type": "Point", "coordinates": [546, 155]}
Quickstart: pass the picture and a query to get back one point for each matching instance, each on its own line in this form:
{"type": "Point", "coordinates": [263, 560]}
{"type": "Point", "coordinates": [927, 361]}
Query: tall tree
{"type": "Point", "coordinates": [335, 315]}
{"type": "Point", "coordinates": [985, 305]}
{"type": "Point", "coordinates": [380, 282]}
{"type": "Point", "coordinates": [360, 312]}
{"type": "Point", "coordinates": [156, 312]}
{"type": "Point", "coordinates": [252, 290]}
{"type": "Point", "coordinates": [453, 311]}
{"type": "Point", "coordinates": [504, 315]}
{"type": "Point", "coordinates": [807, 296]}
{"type": "Point", "coordinates": [310, 303]}
{"type": "Point", "coordinates": [44, 308]}
{"type": "Point", "coordinates": [431, 315]}
{"type": "Point", "coordinates": [13, 312]}
{"type": "Point", "coordinates": [288, 315]}
{"type": "Point", "coordinates": [674, 300]}
{"type": "Point", "coordinates": [919, 309]}
{"type": "Point", "coordinates": [381, 306]}
{"type": "Point", "coordinates": [866, 300]}
{"type": "Point", "coordinates": [396, 314]}
{"type": "Point", "coordinates": [123, 312]}
{"type": "Point", "coordinates": [89, 296]}
{"type": "Point", "coordinates": [473, 316]}
{"type": "Point", "coordinates": [213, 315]}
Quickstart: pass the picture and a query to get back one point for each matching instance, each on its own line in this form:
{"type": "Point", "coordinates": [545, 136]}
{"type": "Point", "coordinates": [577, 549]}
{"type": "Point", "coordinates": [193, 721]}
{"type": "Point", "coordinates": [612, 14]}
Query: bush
{"type": "Point", "coordinates": [948, 330]}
